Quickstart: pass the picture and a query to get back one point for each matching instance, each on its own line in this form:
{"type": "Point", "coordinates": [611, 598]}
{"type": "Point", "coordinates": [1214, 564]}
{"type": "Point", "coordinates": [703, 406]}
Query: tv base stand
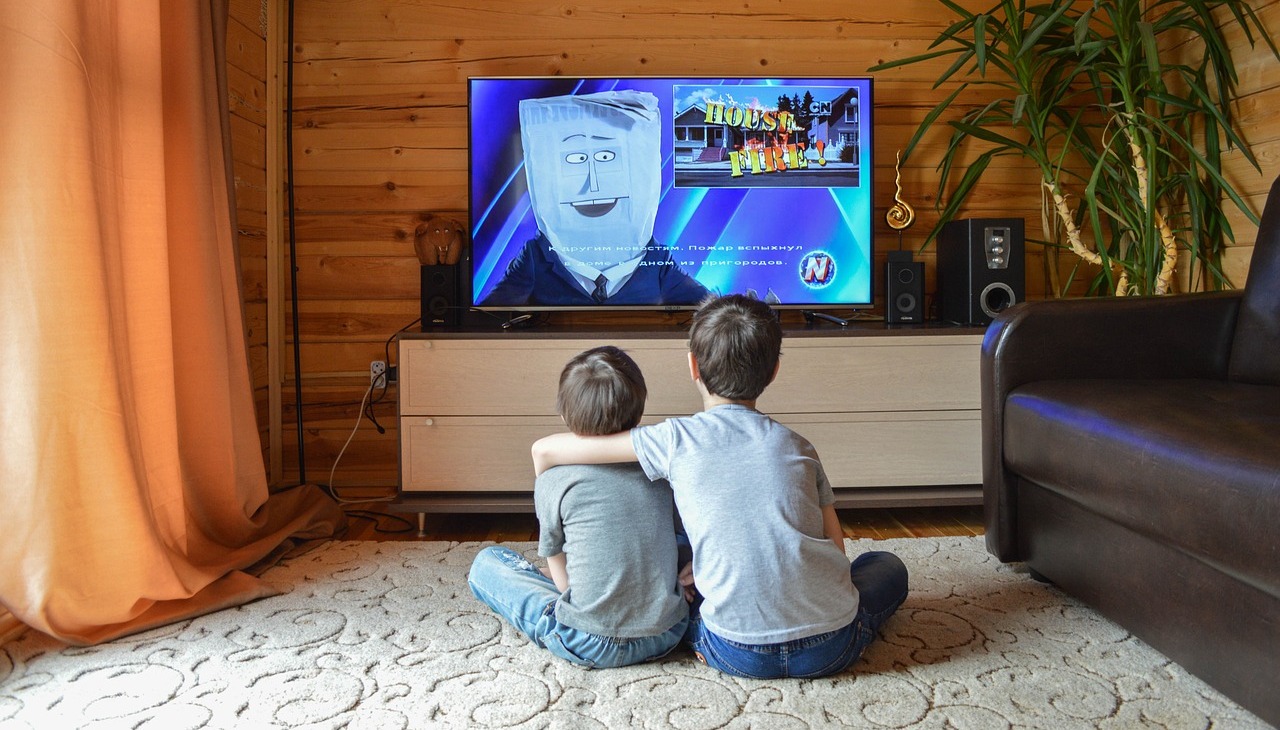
{"type": "Point", "coordinates": [810, 316]}
{"type": "Point", "coordinates": [893, 412]}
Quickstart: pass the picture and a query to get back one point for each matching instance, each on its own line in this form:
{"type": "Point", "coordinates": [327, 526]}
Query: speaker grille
{"type": "Point", "coordinates": [440, 305]}
{"type": "Point", "coordinates": [904, 289]}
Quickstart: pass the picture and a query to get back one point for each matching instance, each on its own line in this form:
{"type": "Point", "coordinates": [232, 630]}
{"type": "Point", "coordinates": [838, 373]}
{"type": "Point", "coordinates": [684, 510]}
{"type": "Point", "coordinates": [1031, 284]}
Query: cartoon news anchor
{"type": "Point", "coordinates": [593, 167]}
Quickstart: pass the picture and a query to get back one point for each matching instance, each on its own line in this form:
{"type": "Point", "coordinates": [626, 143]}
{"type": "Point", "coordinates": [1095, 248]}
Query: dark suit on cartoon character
{"type": "Point", "coordinates": [537, 277]}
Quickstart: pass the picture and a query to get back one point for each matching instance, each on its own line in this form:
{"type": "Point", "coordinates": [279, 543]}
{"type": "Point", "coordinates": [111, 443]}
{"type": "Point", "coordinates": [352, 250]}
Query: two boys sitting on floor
{"type": "Point", "coordinates": [771, 592]}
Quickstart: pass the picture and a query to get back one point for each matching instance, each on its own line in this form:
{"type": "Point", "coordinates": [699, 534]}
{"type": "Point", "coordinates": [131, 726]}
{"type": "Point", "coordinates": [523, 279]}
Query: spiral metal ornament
{"type": "Point", "coordinates": [900, 215]}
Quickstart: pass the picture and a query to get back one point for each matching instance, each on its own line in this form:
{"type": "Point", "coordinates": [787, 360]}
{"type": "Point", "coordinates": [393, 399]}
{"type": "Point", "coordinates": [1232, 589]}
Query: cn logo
{"type": "Point", "coordinates": [817, 269]}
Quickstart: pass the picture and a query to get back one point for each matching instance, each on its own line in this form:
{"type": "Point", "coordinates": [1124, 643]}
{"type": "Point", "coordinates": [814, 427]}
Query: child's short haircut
{"type": "Point", "coordinates": [601, 392]}
{"type": "Point", "coordinates": [736, 340]}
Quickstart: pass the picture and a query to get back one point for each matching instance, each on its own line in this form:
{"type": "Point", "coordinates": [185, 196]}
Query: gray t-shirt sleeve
{"type": "Point", "coordinates": [825, 494]}
{"type": "Point", "coordinates": [653, 446]}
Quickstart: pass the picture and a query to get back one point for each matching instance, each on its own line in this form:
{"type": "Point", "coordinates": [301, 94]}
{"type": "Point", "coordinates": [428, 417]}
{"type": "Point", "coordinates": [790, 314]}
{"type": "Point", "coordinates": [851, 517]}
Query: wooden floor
{"type": "Point", "coordinates": [372, 521]}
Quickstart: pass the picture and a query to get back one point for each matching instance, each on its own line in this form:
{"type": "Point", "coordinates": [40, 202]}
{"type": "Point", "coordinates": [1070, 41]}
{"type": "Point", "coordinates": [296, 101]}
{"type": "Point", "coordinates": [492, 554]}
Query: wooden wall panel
{"type": "Point", "coordinates": [246, 49]}
{"type": "Point", "coordinates": [380, 141]}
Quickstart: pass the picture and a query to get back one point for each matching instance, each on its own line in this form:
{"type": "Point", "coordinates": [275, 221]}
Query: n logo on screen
{"type": "Point", "coordinates": [817, 269]}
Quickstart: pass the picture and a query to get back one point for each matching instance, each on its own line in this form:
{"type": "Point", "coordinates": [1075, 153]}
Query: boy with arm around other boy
{"type": "Point", "coordinates": [610, 596]}
{"type": "Point", "coordinates": [779, 597]}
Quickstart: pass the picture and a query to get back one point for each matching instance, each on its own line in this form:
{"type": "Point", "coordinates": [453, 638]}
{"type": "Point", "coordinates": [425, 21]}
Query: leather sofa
{"type": "Point", "coordinates": [1131, 456]}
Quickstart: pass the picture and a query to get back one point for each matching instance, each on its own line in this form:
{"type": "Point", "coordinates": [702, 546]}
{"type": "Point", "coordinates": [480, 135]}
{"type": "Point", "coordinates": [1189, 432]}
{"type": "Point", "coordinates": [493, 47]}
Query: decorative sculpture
{"type": "Point", "coordinates": [438, 240]}
{"type": "Point", "coordinates": [900, 215]}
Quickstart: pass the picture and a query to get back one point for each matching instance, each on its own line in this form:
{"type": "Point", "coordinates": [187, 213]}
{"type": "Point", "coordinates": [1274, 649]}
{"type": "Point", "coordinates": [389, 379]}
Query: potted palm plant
{"type": "Point", "coordinates": [1101, 98]}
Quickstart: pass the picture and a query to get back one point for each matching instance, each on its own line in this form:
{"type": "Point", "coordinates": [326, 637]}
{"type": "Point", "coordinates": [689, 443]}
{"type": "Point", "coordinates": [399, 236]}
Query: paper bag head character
{"type": "Point", "coordinates": [593, 165]}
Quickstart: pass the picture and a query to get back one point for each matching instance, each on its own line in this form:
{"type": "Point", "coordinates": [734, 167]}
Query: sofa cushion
{"type": "Point", "coordinates": [1194, 463]}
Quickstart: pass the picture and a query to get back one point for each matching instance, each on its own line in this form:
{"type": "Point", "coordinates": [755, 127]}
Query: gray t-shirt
{"type": "Point", "coordinates": [617, 531]}
{"type": "Point", "coordinates": [750, 492]}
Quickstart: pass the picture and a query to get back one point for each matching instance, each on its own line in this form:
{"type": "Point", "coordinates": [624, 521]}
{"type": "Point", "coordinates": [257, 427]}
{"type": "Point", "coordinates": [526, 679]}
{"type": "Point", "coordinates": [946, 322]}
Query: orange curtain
{"type": "Point", "coordinates": [132, 487]}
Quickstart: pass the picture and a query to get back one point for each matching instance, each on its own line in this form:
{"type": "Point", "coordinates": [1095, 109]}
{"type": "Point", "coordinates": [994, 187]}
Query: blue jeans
{"type": "Point", "coordinates": [881, 580]}
{"type": "Point", "coordinates": [520, 593]}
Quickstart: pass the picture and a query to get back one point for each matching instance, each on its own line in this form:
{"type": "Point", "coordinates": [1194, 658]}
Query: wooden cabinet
{"type": "Point", "coordinates": [894, 414]}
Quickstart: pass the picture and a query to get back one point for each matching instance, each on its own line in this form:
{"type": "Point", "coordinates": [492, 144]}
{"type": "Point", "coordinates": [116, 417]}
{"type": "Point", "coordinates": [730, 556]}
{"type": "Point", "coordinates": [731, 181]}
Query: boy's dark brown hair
{"type": "Point", "coordinates": [737, 341]}
{"type": "Point", "coordinates": [601, 392]}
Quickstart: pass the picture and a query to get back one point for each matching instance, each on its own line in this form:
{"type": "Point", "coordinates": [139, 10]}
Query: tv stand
{"type": "Point", "coordinates": [517, 320]}
{"type": "Point", "coordinates": [894, 414]}
{"type": "Point", "coordinates": [810, 316]}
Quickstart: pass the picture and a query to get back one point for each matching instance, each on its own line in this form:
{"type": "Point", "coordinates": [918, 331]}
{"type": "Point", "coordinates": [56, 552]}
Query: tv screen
{"type": "Point", "coordinates": [653, 192]}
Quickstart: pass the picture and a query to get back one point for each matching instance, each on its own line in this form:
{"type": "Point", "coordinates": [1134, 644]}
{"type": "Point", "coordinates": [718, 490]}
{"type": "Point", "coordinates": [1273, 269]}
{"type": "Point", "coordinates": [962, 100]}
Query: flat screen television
{"type": "Point", "coordinates": [650, 193]}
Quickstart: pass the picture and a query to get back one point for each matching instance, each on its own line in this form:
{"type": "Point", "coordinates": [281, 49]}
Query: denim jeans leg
{"type": "Point", "coordinates": [517, 591]}
{"type": "Point", "coordinates": [591, 650]}
{"type": "Point", "coordinates": [881, 580]}
{"type": "Point", "coordinates": [513, 587]}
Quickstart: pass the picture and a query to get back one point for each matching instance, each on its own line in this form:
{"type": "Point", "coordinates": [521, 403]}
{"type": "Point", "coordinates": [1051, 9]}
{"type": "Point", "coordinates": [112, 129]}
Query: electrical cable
{"type": "Point", "coordinates": [367, 408]}
{"type": "Point", "coordinates": [330, 487]}
{"type": "Point", "coordinates": [386, 378]}
{"type": "Point", "coordinates": [377, 517]}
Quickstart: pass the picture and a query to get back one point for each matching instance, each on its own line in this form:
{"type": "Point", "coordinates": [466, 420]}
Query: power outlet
{"type": "Point", "coordinates": [378, 373]}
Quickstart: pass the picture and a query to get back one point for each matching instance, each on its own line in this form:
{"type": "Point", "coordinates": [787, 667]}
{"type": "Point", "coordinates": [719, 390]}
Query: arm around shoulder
{"type": "Point", "coordinates": [569, 448]}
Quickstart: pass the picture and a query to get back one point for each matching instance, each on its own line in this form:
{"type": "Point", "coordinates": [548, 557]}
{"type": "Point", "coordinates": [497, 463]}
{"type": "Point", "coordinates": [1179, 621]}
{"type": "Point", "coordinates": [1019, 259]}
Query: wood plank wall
{"type": "Point", "coordinates": [247, 75]}
{"type": "Point", "coordinates": [380, 141]}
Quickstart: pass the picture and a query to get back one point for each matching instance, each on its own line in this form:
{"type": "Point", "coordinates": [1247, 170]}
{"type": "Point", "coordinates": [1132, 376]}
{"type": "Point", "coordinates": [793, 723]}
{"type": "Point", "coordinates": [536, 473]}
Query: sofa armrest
{"type": "Point", "coordinates": [1181, 336]}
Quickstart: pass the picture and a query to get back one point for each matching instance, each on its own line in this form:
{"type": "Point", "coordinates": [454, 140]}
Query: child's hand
{"type": "Point", "coordinates": [685, 580]}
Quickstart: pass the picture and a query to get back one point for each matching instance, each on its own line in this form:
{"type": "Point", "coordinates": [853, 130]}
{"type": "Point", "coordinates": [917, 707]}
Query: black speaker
{"type": "Point", "coordinates": [441, 305]}
{"type": "Point", "coordinates": [981, 268]}
{"type": "Point", "coordinates": [903, 289]}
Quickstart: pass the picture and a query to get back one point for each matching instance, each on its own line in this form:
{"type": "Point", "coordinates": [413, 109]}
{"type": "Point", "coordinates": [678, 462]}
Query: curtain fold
{"type": "Point", "coordinates": [132, 487]}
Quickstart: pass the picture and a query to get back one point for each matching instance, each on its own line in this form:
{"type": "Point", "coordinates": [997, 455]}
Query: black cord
{"type": "Point", "coordinates": [386, 378]}
{"type": "Point", "coordinates": [377, 517]}
{"type": "Point", "coordinates": [369, 402]}
{"type": "Point", "coordinates": [386, 347]}
{"type": "Point", "coordinates": [293, 253]}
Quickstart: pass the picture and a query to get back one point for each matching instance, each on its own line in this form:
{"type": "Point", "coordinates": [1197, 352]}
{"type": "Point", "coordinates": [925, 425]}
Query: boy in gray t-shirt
{"type": "Point", "coordinates": [610, 595]}
{"type": "Point", "coordinates": [778, 596]}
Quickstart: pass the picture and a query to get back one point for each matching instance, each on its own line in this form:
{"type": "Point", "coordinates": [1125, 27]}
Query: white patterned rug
{"type": "Point", "coordinates": [387, 635]}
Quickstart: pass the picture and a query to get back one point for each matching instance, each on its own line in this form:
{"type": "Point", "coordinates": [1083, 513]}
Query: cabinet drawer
{"type": "Point", "coordinates": [864, 374]}
{"type": "Point", "coordinates": [895, 449]}
{"type": "Point", "coordinates": [479, 454]}
{"type": "Point", "coordinates": [495, 377]}
{"type": "Point", "coordinates": [470, 454]}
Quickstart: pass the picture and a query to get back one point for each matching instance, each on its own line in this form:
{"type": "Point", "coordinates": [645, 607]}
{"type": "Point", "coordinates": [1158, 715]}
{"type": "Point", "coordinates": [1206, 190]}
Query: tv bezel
{"type": "Point", "coordinates": [467, 274]}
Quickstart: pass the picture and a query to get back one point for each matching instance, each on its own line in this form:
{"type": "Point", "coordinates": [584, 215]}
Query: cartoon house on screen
{"type": "Point", "coordinates": [695, 140]}
{"type": "Point", "coordinates": [838, 131]}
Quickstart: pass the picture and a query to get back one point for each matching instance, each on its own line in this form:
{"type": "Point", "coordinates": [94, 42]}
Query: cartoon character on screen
{"type": "Point", "coordinates": [593, 167]}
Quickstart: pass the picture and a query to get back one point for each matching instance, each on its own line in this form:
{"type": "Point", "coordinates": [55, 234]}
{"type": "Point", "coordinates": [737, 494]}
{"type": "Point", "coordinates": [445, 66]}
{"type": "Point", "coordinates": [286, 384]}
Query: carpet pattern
{"type": "Point", "coordinates": [387, 635]}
